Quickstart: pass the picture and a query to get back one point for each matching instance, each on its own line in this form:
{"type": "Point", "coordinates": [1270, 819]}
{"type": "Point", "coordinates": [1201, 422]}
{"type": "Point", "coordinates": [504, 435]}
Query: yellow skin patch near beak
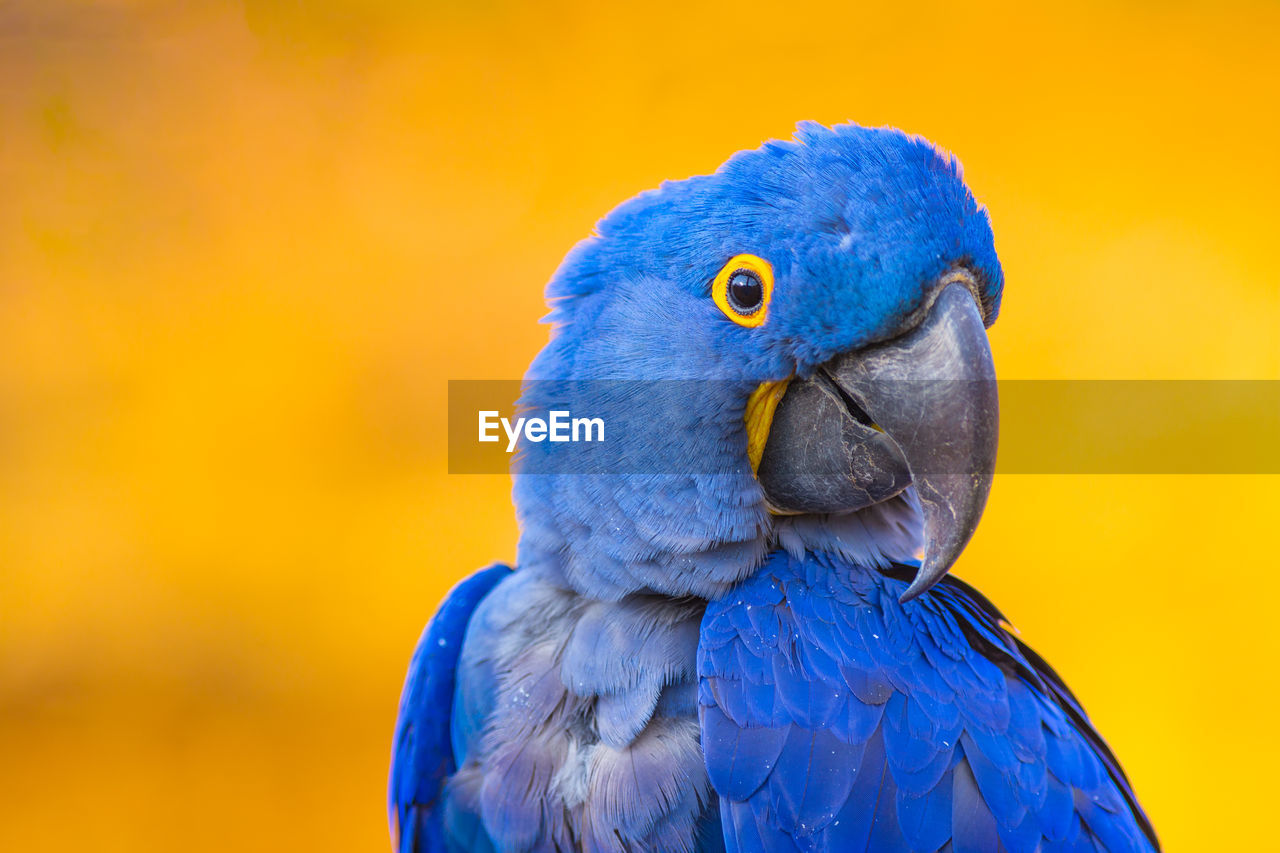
{"type": "Point", "coordinates": [761, 405]}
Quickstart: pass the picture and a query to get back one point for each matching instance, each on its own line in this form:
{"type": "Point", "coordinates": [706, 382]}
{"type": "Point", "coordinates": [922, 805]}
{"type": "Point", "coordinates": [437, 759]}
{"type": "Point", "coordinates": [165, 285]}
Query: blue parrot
{"type": "Point", "coordinates": [718, 636]}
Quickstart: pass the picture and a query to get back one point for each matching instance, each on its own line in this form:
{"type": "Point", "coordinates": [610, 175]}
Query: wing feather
{"type": "Point", "coordinates": [837, 718]}
{"type": "Point", "coordinates": [422, 753]}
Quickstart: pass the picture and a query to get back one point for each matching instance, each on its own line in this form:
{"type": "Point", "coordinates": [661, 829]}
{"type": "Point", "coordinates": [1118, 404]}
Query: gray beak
{"type": "Point", "coordinates": [920, 409]}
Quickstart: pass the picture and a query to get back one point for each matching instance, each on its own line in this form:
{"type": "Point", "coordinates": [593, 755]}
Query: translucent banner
{"type": "Point", "coordinates": [603, 427]}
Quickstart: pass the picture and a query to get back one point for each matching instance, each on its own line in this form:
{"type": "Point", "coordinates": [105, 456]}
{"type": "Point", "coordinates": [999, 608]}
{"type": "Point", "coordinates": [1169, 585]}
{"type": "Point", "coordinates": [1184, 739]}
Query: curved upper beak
{"type": "Point", "coordinates": [920, 409]}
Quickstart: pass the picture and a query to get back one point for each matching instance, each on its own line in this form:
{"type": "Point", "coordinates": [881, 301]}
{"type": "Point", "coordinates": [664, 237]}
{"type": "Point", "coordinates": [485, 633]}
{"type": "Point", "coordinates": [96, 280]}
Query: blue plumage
{"type": "Point", "coordinates": [861, 723]}
{"type": "Point", "coordinates": [684, 662]}
{"type": "Point", "coordinates": [423, 756]}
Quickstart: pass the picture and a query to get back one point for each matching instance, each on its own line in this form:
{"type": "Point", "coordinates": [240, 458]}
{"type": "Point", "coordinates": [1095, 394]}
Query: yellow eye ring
{"type": "Point", "coordinates": [743, 288]}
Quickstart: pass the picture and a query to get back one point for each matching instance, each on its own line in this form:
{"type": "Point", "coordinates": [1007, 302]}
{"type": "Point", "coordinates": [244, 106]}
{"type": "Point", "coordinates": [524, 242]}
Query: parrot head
{"type": "Point", "coordinates": [837, 288]}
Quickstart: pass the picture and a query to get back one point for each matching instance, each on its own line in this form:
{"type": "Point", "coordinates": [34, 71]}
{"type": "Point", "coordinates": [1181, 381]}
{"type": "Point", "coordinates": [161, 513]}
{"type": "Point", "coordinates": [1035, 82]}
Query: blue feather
{"type": "Point", "coordinates": [973, 827]}
{"type": "Point", "coordinates": [926, 819]}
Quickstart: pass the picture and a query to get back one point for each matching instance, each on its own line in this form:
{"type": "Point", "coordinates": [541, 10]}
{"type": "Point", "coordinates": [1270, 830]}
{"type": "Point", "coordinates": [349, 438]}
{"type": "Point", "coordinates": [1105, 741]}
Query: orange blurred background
{"type": "Point", "coordinates": [243, 248]}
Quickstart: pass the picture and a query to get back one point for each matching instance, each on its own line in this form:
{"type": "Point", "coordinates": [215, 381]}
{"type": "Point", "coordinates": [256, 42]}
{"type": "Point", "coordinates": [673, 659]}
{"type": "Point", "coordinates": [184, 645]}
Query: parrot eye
{"type": "Point", "coordinates": [745, 292]}
{"type": "Point", "coordinates": [742, 289]}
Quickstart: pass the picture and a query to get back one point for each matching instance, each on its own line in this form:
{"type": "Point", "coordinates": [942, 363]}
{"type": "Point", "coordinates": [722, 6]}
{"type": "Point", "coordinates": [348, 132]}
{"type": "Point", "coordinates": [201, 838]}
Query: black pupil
{"type": "Point", "coordinates": [745, 291]}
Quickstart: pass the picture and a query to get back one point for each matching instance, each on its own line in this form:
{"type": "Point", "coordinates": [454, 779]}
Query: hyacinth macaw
{"type": "Point", "coordinates": [738, 651]}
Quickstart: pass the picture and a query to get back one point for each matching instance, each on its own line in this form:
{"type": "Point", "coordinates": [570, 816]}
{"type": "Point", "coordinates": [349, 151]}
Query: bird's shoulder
{"type": "Point", "coordinates": [834, 712]}
{"type": "Point", "coordinates": [422, 753]}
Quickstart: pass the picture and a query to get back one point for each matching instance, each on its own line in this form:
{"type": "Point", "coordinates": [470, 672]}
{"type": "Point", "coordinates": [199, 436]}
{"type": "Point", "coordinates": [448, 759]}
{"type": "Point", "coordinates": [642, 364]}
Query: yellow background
{"type": "Point", "coordinates": [242, 250]}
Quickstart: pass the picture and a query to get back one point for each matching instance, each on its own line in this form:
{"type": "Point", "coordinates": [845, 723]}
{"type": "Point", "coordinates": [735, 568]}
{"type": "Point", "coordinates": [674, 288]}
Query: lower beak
{"type": "Point", "coordinates": [920, 409]}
